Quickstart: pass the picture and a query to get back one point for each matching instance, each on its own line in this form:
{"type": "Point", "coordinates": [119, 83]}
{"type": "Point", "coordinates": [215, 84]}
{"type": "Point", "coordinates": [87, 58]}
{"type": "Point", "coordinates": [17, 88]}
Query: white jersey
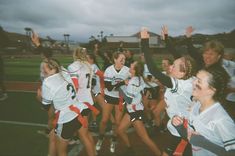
{"type": "Point", "coordinates": [215, 125]}
{"type": "Point", "coordinates": [146, 73]}
{"type": "Point", "coordinates": [83, 72]}
{"type": "Point", "coordinates": [114, 77]}
{"type": "Point", "coordinates": [229, 66]}
{"type": "Point", "coordinates": [58, 90]}
{"type": "Point", "coordinates": [96, 88]}
{"type": "Point", "coordinates": [133, 90]}
{"type": "Point", "coordinates": [178, 100]}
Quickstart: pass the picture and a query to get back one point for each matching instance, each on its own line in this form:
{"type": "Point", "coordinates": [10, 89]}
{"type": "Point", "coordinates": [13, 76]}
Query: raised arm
{"type": "Point", "coordinates": [36, 41]}
{"type": "Point", "coordinates": [169, 44]}
{"type": "Point", "coordinates": [192, 51]}
{"type": "Point", "coordinates": [165, 80]}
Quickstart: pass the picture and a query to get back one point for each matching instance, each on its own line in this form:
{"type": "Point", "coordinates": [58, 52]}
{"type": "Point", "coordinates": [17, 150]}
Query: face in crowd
{"type": "Point", "coordinates": [182, 68]}
{"type": "Point", "coordinates": [119, 59]}
{"type": "Point", "coordinates": [212, 53]}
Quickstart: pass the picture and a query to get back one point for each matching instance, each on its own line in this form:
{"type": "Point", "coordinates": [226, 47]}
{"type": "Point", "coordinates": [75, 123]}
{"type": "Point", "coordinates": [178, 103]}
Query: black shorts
{"type": "Point", "coordinates": [154, 92]}
{"type": "Point", "coordinates": [138, 115]}
{"type": "Point", "coordinates": [111, 100]}
{"type": "Point", "coordinates": [86, 112]}
{"type": "Point", "coordinates": [173, 143]}
{"type": "Point", "coordinates": [67, 130]}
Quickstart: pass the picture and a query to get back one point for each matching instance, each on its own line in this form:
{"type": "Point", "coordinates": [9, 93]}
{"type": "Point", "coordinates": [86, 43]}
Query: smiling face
{"type": "Point", "coordinates": [177, 69]}
{"type": "Point", "coordinates": [132, 69]}
{"type": "Point", "coordinates": [201, 88]}
{"type": "Point", "coordinates": [210, 57]}
{"type": "Point", "coordinates": [119, 61]}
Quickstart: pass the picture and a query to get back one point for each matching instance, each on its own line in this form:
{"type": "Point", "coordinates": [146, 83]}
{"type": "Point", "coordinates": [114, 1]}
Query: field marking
{"type": "Point", "coordinates": [23, 123]}
{"type": "Point", "coordinates": [26, 82]}
{"type": "Point", "coordinates": [24, 91]}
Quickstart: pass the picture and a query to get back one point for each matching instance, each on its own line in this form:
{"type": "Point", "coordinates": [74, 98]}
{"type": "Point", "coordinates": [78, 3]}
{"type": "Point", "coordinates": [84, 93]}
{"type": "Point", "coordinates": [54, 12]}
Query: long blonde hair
{"type": "Point", "coordinates": [80, 55]}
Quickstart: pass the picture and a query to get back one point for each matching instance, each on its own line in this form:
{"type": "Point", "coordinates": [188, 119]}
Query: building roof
{"type": "Point", "coordinates": [128, 39]}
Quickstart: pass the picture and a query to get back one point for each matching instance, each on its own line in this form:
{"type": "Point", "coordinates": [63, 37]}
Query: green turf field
{"type": "Point", "coordinates": [20, 113]}
{"type": "Point", "coordinates": [27, 68]}
{"type": "Point", "coordinates": [17, 138]}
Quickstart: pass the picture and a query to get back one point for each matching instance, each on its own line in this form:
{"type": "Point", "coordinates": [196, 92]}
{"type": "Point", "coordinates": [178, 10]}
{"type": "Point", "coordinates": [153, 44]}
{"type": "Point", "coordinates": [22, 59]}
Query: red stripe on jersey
{"type": "Point", "coordinates": [100, 74]}
{"type": "Point", "coordinates": [75, 82]}
{"type": "Point", "coordinates": [183, 143]}
{"type": "Point", "coordinates": [92, 108]}
{"type": "Point", "coordinates": [80, 118]}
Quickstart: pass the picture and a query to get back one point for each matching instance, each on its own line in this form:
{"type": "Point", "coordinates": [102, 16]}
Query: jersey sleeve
{"type": "Point", "coordinates": [107, 75]}
{"type": "Point", "coordinates": [225, 128]}
{"type": "Point", "coordinates": [46, 95]}
{"type": "Point", "coordinates": [175, 85]}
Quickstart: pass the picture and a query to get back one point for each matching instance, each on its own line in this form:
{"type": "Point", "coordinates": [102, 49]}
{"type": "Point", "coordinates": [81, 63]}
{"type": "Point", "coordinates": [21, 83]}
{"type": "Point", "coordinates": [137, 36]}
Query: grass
{"type": "Point", "coordinates": [19, 140]}
{"type": "Point", "coordinates": [22, 141]}
{"type": "Point", "coordinates": [27, 68]}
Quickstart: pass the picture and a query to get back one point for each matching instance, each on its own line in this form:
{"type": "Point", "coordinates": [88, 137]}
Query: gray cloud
{"type": "Point", "coordinates": [82, 18]}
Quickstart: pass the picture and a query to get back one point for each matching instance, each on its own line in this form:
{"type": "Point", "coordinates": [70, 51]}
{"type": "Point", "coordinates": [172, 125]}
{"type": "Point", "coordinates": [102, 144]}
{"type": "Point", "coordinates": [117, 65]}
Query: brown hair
{"type": "Point", "coordinates": [189, 66]}
{"type": "Point", "coordinates": [117, 54]}
{"type": "Point", "coordinates": [218, 79]}
{"type": "Point", "coordinates": [215, 46]}
{"type": "Point", "coordinates": [139, 69]}
{"type": "Point", "coordinates": [53, 64]}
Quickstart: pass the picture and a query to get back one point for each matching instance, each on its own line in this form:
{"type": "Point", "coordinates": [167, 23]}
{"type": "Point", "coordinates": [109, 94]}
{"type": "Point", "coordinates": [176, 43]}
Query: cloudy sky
{"type": "Point", "coordinates": [83, 18]}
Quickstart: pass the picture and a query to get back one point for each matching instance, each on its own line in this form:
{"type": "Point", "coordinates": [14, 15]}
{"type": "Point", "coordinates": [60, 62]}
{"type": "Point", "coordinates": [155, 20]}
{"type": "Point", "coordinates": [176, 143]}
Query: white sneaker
{"type": "Point", "coordinates": [3, 97]}
{"type": "Point", "coordinates": [112, 146]}
{"type": "Point", "coordinates": [99, 144]}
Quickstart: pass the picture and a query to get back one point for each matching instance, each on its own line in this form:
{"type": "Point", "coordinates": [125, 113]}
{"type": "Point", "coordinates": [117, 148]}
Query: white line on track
{"type": "Point", "coordinates": [22, 123]}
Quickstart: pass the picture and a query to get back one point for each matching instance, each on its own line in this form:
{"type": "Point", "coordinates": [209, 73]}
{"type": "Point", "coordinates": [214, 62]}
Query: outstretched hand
{"type": "Point", "coordinates": [35, 39]}
{"type": "Point", "coordinates": [164, 31]}
{"type": "Point", "coordinates": [144, 33]}
{"type": "Point", "coordinates": [189, 31]}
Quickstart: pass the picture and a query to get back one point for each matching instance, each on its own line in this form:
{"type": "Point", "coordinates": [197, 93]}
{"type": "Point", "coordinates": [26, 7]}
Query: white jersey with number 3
{"type": "Point", "coordinates": [58, 90]}
{"type": "Point", "coordinates": [83, 72]}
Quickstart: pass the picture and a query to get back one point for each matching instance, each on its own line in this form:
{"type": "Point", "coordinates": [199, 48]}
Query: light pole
{"type": "Point", "coordinates": [66, 40]}
{"type": "Point", "coordinates": [28, 38]}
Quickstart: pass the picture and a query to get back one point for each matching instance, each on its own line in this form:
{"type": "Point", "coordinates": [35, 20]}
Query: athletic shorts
{"type": "Point", "coordinates": [138, 115]}
{"type": "Point", "coordinates": [67, 130]}
{"type": "Point", "coordinates": [173, 143]}
{"type": "Point", "coordinates": [86, 112]}
{"type": "Point", "coordinates": [111, 100]}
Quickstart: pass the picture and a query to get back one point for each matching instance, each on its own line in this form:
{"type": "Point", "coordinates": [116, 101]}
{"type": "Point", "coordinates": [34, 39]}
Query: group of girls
{"type": "Point", "coordinates": [194, 90]}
